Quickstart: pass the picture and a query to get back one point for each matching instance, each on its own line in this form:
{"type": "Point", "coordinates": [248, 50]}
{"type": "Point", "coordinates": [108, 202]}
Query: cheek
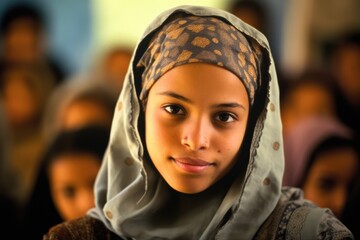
{"type": "Point", "coordinates": [154, 133]}
{"type": "Point", "coordinates": [311, 188]}
{"type": "Point", "coordinates": [60, 199]}
{"type": "Point", "coordinates": [224, 144]}
{"type": "Point", "coordinates": [157, 129]}
{"type": "Point", "coordinates": [227, 147]}
{"type": "Point", "coordinates": [228, 150]}
{"type": "Point", "coordinates": [230, 142]}
{"type": "Point", "coordinates": [63, 203]}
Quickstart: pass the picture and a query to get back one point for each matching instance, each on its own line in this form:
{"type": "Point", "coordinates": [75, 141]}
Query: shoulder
{"type": "Point", "coordinates": [82, 228]}
{"type": "Point", "coordinates": [297, 218]}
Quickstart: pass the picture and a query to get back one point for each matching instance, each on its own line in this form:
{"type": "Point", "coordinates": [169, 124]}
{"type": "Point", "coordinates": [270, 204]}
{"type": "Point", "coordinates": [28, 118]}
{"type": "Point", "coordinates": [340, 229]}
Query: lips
{"type": "Point", "coordinates": [192, 165]}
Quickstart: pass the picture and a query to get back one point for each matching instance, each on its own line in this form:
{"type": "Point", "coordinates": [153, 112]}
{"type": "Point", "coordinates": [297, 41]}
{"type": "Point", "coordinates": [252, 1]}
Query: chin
{"type": "Point", "coordinates": [187, 189]}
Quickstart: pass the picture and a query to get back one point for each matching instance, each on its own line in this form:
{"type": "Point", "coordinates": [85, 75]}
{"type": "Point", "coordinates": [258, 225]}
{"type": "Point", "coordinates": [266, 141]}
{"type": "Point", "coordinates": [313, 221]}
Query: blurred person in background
{"type": "Point", "coordinates": [351, 212]}
{"type": "Point", "coordinates": [64, 186]}
{"type": "Point", "coordinates": [310, 27]}
{"type": "Point", "coordinates": [321, 158]}
{"type": "Point", "coordinates": [25, 90]}
{"type": "Point", "coordinates": [310, 93]}
{"type": "Point", "coordinates": [344, 61]}
{"type": "Point", "coordinates": [257, 14]}
{"type": "Point", "coordinates": [7, 176]}
{"type": "Point", "coordinates": [24, 38]}
{"type": "Point", "coordinates": [252, 12]}
{"type": "Point", "coordinates": [345, 64]}
{"type": "Point", "coordinates": [9, 208]}
{"type": "Point", "coordinates": [77, 102]}
{"type": "Point", "coordinates": [112, 65]}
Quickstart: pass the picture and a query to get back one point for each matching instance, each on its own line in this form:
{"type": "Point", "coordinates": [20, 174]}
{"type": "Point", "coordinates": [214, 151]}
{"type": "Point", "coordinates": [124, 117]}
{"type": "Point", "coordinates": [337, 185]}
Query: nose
{"type": "Point", "coordinates": [196, 134]}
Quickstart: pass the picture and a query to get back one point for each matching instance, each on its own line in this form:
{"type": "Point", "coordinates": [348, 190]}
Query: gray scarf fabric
{"type": "Point", "coordinates": [132, 199]}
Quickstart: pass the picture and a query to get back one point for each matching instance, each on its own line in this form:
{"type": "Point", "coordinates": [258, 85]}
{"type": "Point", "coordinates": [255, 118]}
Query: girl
{"type": "Point", "coordinates": [322, 159]}
{"type": "Point", "coordinates": [196, 145]}
{"type": "Point", "coordinates": [63, 188]}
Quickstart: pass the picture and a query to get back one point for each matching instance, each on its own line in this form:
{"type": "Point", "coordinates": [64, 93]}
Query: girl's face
{"type": "Point", "coordinates": [72, 178]}
{"type": "Point", "coordinates": [330, 177]}
{"type": "Point", "coordinates": [196, 117]}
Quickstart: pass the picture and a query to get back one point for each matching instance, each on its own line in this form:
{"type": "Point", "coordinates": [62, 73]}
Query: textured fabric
{"type": "Point", "coordinates": [134, 201]}
{"type": "Point", "coordinates": [288, 213]}
{"type": "Point", "coordinates": [296, 218]}
{"type": "Point", "coordinates": [85, 228]}
{"type": "Point", "coordinates": [193, 39]}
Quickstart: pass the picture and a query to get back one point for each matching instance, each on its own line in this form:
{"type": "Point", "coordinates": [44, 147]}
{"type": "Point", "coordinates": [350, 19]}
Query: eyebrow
{"type": "Point", "coordinates": [175, 95]}
{"type": "Point", "coordinates": [221, 105]}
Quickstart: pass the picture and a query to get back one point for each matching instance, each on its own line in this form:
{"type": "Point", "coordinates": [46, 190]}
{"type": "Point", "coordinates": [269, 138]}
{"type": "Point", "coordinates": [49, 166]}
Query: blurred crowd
{"type": "Point", "coordinates": [54, 126]}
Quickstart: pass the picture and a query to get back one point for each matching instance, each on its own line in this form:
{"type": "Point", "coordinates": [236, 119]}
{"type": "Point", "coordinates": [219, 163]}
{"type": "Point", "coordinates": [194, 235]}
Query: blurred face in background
{"type": "Point", "coordinates": [305, 101]}
{"type": "Point", "coordinates": [115, 67]}
{"type": "Point", "coordinates": [23, 41]}
{"type": "Point", "coordinates": [72, 178]}
{"type": "Point", "coordinates": [83, 112]}
{"type": "Point", "coordinates": [346, 66]}
{"type": "Point", "coordinates": [330, 177]}
{"type": "Point", "coordinates": [20, 103]}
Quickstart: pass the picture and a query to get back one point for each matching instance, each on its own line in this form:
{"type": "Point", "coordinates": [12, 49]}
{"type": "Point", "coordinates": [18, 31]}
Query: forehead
{"type": "Point", "coordinates": [201, 81]}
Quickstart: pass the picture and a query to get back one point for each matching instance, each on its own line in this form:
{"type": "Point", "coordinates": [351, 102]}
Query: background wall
{"type": "Point", "coordinates": [70, 29]}
{"type": "Point", "coordinates": [124, 21]}
{"type": "Point", "coordinates": [80, 30]}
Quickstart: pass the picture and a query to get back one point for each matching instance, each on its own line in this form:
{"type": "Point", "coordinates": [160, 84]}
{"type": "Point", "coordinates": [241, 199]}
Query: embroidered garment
{"type": "Point", "coordinates": [132, 198]}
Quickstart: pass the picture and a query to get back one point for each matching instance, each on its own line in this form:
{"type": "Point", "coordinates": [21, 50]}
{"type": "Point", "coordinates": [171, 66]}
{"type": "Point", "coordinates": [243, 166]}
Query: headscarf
{"type": "Point", "coordinates": [135, 202]}
{"type": "Point", "coordinates": [302, 141]}
{"type": "Point", "coordinates": [192, 39]}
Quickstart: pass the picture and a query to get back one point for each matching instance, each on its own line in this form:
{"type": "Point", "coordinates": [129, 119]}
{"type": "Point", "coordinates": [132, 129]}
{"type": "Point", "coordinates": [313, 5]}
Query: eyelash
{"type": "Point", "coordinates": [174, 109]}
{"type": "Point", "coordinates": [170, 109]}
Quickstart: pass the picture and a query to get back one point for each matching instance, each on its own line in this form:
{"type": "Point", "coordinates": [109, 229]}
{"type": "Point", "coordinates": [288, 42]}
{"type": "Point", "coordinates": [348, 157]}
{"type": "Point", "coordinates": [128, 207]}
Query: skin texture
{"type": "Point", "coordinates": [71, 186]}
{"type": "Point", "coordinates": [198, 113]}
{"type": "Point", "coordinates": [329, 179]}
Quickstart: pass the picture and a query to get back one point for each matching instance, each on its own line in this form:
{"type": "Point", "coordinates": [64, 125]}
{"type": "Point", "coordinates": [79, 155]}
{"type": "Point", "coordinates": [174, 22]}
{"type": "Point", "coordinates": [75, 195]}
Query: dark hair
{"type": "Point", "coordinates": [330, 143]}
{"type": "Point", "coordinates": [105, 98]}
{"type": "Point", "coordinates": [22, 11]}
{"type": "Point", "coordinates": [351, 38]}
{"type": "Point", "coordinates": [89, 139]}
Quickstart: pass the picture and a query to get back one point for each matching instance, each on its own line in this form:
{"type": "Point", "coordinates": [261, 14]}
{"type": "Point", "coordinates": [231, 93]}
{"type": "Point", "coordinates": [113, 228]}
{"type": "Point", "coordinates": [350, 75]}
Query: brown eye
{"type": "Point", "coordinates": [174, 109]}
{"type": "Point", "coordinates": [225, 117]}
